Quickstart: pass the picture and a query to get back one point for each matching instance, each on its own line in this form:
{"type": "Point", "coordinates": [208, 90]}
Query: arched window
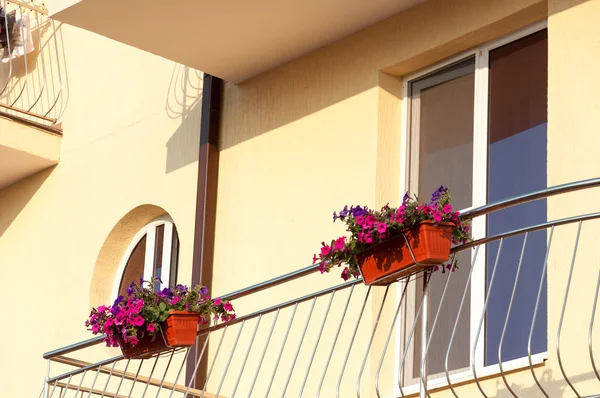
{"type": "Point", "coordinates": [152, 253]}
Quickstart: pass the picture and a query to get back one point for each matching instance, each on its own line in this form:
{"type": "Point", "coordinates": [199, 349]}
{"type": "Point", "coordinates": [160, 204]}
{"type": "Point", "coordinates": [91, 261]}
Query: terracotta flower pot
{"type": "Point", "coordinates": [386, 262]}
{"type": "Point", "coordinates": [179, 331]}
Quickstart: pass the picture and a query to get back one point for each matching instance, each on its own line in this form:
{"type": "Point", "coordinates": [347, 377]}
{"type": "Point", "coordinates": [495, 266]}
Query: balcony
{"type": "Point", "coordinates": [31, 94]}
{"type": "Point", "coordinates": [199, 34]}
{"type": "Point", "coordinates": [516, 319]}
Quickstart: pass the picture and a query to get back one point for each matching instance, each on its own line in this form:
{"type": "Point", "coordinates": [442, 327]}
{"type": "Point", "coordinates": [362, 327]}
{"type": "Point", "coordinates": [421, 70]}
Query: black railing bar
{"type": "Point", "coordinates": [532, 196]}
{"type": "Point", "coordinates": [280, 306]}
{"type": "Point", "coordinates": [520, 231]}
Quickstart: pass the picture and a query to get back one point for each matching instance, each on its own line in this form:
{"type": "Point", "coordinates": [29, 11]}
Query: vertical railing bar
{"type": "Point", "coordinates": [535, 310]}
{"type": "Point", "coordinates": [462, 301]}
{"type": "Point", "coordinates": [424, 325]}
{"type": "Point", "coordinates": [198, 360]}
{"type": "Point", "coordinates": [337, 389]}
{"type": "Point", "coordinates": [387, 341]}
{"type": "Point", "coordinates": [337, 334]}
{"type": "Point", "coordinates": [562, 314]}
{"type": "Point", "coordinates": [8, 48]}
{"type": "Point", "coordinates": [58, 69]}
{"type": "Point", "coordinates": [212, 365]}
{"type": "Point", "coordinates": [43, 64]}
{"type": "Point", "coordinates": [512, 297]}
{"type": "Point", "coordinates": [362, 368]}
{"type": "Point", "coordinates": [24, 58]}
{"type": "Point", "coordinates": [287, 332]}
{"type": "Point", "coordinates": [590, 334]}
{"type": "Point", "coordinates": [80, 382]}
{"type": "Point", "coordinates": [247, 355]}
{"type": "Point", "coordinates": [66, 386]}
{"type": "Point", "coordinates": [45, 391]}
{"type": "Point", "coordinates": [165, 374]}
{"type": "Point", "coordinates": [230, 357]}
{"type": "Point", "coordinates": [439, 310]}
{"type": "Point", "coordinates": [183, 362]}
{"type": "Point", "coordinates": [262, 357]}
{"type": "Point", "coordinates": [53, 388]}
{"type": "Point", "coordinates": [112, 369]}
{"type": "Point", "coordinates": [312, 357]}
{"type": "Point", "coordinates": [312, 307]}
{"type": "Point", "coordinates": [412, 331]}
{"type": "Point", "coordinates": [94, 382]}
{"type": "Point", "coordinates": [135, 378]}
{"type": "Point", "coordinates": [150, 376]}
{"type": "Point", "coordinates": [487, 298]}
{"type": "Point", "coordinates": [122, 377]}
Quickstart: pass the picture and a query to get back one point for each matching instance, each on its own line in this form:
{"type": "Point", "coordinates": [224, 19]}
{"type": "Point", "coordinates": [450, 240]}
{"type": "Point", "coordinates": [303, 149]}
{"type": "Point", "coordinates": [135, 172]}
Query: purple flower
{"type": "Point", "coordinates": [344, 212]}
{"type": "Point", "coordinates": [203, 291]}
{"type": "Point", "coordinates": [438, 193]}
{"type": "Point", "coordinates": [181, 288]}
{"type": "Point", "coordinates": [115, 310]}
{"type": "Point", "coordinates": [118, 300]}
{"type": "Point", "coordinates": [130, 289]}
{"type": "Point", "coordinates": [357, 211]}
{"type": "Point", "coordinates": [335, 216]}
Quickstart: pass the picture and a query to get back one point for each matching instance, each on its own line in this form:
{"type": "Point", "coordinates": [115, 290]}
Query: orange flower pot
{"type": "Point", "coordinates": [179, 331]}
{"type": "Point", "coordinates": [386, 262]}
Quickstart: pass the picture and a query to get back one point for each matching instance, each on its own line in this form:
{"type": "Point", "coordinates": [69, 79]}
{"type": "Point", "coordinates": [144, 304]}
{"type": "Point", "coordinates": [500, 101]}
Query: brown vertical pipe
{"type": "Point", "coordinates": [206, 199]}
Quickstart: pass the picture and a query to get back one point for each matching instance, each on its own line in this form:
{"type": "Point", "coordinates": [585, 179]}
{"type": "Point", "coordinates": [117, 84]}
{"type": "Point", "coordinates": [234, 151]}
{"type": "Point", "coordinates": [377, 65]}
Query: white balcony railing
{"type": "Point", "coordinates": [516, 319]}
{"type": "Point", "coordinates": [31, 67]}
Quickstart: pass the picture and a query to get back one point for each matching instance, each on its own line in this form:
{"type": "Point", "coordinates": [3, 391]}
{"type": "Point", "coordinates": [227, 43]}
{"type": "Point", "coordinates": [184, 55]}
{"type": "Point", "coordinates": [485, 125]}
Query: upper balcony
{"type": "Point", "coordinates": [231, 40]}
{"type": "Point", "coordinates": [31, 92]}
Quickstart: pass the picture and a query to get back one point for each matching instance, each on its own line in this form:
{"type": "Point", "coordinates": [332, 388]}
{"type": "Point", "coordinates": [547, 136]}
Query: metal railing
{"type": "Point", "coordinates": [516, 319]}
{"type": "Point", "coordinates": [32, 67]}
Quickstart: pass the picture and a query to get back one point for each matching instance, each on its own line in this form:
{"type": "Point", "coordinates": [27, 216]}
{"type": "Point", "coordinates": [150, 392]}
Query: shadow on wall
{"type": "Point", "coordinates": [184, 102]}
{"type": "Point", "coordinates": [554, 385]}
{"type": "Point", "coordinates": [350, 66]}
{"type": "Point", "coordinates": [14, 198]}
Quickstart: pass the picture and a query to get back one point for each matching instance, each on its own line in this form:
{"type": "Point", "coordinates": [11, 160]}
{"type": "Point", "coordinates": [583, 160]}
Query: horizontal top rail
{"type": "Point", "coordinates": [476, 212]}
{"type": "Point", "coordinates": [41, 9]}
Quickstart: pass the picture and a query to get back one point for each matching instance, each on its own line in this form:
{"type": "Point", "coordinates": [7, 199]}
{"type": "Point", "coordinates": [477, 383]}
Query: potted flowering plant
{"type": "Point", "coordinates": [148, 321]}
{"type": "Point", "coordinates": [380, 243]}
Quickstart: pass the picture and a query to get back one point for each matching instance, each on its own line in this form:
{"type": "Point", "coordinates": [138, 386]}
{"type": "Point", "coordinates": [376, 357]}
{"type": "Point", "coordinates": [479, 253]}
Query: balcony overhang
{"type": "Point", "coordinates": [231, 40]}
{"type": "Point", "coordinates": [25, 150]}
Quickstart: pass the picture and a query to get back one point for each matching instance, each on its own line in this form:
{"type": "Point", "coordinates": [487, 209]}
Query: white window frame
{"type": "Point", "coordinates": [480, 168]}
{"type": "Point", "coordinates": [149, 230]}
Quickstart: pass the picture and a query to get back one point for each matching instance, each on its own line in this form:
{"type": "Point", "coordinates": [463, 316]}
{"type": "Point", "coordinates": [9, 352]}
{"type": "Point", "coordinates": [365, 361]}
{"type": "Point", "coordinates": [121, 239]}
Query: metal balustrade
{"type": "Point", "coordinates": [31, 80]}
{"type": "Point", "coordinates": [516, 319]}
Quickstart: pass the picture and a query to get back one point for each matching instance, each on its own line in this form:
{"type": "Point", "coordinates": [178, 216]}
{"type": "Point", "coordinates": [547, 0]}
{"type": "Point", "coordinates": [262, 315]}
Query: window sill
{"type": "Point", "coordinates": [467, 375]}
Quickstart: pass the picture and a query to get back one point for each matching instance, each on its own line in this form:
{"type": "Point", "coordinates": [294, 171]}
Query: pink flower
{"type": "Point", "coordinates": [381, 227]}
{"type": "Point", "coordinates": [95, 328]}
{"type": "Point", "coordinates": [315, 258]}
{"type": "Point", "coordinates": [102, 308]}
{"type": "Point", "coordinates": [151, 328]}
{"type": "Point", "coordinates": [339, 243]}
{"type": "Point", "coordinates": [325, 250]}
{"type": "Point", "coordinates": [133, 340]}
{"type": "Point", "coordinates": [346, 274]}
{"type": "Point", "coordinates": [360, 220]}
{"type": "Point", "coordinates": [137, 321]}
{"type": "Point", "coordinates": [437, 216]}
{"type": "Point", "coordinates": [368, 239]}
{"type": "Point", "coordinates": [175, 300]}
{"type": "Point", "coordinates": [218, 301]}
{"type": "Point", "coordinates": [447, 208]}
{"type": "Point", "coordinates": [370, 221]}
{"type": "Point", "coordinates": [227, 306]}
{"type": "Point", "coordinates": [323, 267]}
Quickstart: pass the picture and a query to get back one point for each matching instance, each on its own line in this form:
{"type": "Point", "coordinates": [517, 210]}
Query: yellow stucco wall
{"type": "Point", "coordinates": [131, 126]}
{"type": "Point", "coordinates": [322, 131]}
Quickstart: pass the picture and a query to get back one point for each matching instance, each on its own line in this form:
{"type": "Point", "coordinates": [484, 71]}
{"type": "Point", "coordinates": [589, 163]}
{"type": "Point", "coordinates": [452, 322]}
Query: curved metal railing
{"type": "Point", "coordinates": [452, 332]}
{"type": "Point", "coordinates": [32, 67]}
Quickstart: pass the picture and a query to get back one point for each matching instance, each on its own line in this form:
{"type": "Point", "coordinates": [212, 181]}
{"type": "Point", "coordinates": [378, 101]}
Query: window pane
{"type": "Point", "coordinates": [443, 124]}
{"type": "Point", "coordinates": [517, 164]}
{"type": "Point", "coordinates": [134, 269]}
{"type": "Point", "coordinates": [158, 255]}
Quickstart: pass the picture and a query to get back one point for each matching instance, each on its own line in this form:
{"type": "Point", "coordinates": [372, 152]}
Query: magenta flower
{"type": "Point", "coordinates": [102, 308]}
{"type": "Point", "coordinates": [227, 306]}
{"type": "Point", "coordinates": [346, 274]}
{"type": "Point", "coordinates": [174, 300]}
{"type": "Point", "coordinates": [360, 220]}
{"type": "Point", "coordinates": [137, 321]}
{"type": "Point", "coordinates": [447, 208]}
{"type": "Point", "coordinates": [368, 239]}
{"type": "Point", "coordinates": [218, 301]}
{"type": "Point", "coordinates": [315, 258]}
{"type": "Point", "coordinates": [381, 227]}
{"type": "Point", "coordinates": [437, 216]}
{"type": "Point", "coordinates": [339, 243]}
{"type": "Point", "coordinates": [325, 250]}
{"type": "Point", "coordinates": [150, 328]}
